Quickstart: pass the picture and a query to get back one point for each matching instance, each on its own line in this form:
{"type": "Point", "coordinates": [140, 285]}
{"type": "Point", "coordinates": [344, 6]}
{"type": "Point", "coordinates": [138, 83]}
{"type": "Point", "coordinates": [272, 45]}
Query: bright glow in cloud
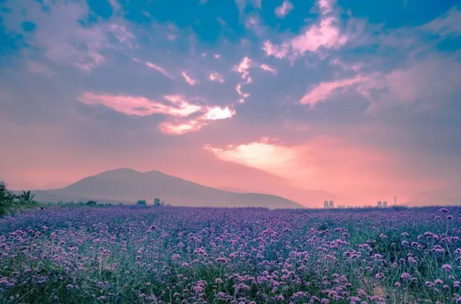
{"type": "Point", "coordinates": [216, 77]}
{"type": "Point", "coordinates": [193, 125]}
{"type": "Point", "coordinates": [180, 128]}
{"type": "Point", "coordinates": [275, 159]}
{"type": "Point", "coordinates": [216, 113]}
{"type": "Point", "coordinates": [189, 79]}
{"type": "Point", "coordinates": [179, 110]}
{"type": "Point", "coordinates": [284, 9]}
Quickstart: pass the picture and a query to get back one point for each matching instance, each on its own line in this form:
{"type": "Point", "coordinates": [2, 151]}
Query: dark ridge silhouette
{"type": "Point", "coordinates": [128, 185]}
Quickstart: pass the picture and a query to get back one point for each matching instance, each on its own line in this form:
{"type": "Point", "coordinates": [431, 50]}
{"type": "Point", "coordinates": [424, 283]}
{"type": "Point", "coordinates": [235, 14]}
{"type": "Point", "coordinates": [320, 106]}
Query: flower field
{"type": "Point", "coordinates": [206, 255]}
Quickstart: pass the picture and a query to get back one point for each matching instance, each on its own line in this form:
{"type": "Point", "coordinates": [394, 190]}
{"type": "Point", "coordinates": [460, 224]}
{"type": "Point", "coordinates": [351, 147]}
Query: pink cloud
{"type": "Point", "coordinates": [217, 113]}
{"type": "Point", "coordinates": [62, 38]}
{"type": "Point", "coordinates": [422, 84]}
{"type": "Point", "coordinates": [189, 79]}
{"type": "Point", "coordinates": [216, 77]}
{"type": "Point", "coordinates": [324, 34]}
{"type": "Point", "coordinates": [275, 50]}
{"type": "Point", "coordinates": [243, 68]}
{"type": "Point", "coordinates": [267, 68]}
{"type": "Point", "coordinates": [154, 67]}
{"type": "Point", "coordinates": [179, 127]}
{"type": "Point", "coordinates": [325, 6]}
{"type": "Point", "coordinates": [141, 106]}
{"type": "Point", "coordinates": [325, 89]}
{"type": "Point", "coordinates": [243, 96]}
{"type": "Point", "coordinates": [179, 109]}
{"type": "Point", "coordinates": [284, 9]}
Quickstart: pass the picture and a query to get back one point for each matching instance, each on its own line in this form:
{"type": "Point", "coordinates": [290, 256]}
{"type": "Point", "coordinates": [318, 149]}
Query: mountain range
{"type": "Point", "coordinates": [128, 186]}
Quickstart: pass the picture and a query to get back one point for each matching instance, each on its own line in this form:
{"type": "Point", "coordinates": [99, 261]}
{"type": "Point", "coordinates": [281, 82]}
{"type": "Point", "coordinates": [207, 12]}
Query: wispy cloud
{"type": "Point", "coordinates": [40, 68]}
{"type": "Point", "coordinates": [175, 107]}
{"type": "Point", "coordinates": [142, 106]}
{"type": "Point", "coordinates": [448, 24]}
{"type": "Point", "coordinates": [154, 67]}
{"type": "Point", "coordinates": [267, 68]}
{"type": "Point", "coordinates": [189, 79]}
{"type": "Point", "coordinates": [60, 35]}
{"type": "Point", "coordinates": [324, 34]}
{"type": "Point", "coordinates": [216, 77]}
{"type": "Point", "coordinates": [325, 89]}
{"type": "Point", "coordinates": [243, 68]}
{"type": "Point", "coordinates": [284, 9]}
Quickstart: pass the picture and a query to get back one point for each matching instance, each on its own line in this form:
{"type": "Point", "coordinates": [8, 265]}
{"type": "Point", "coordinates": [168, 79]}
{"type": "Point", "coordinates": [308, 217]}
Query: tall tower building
{"type": "Point", "coordinates": [385, 204]}
{"type": "Point", "coordinates": [380, 204]}
{"type": "Point", "coordinates": [332, 206]}
{"type": "Point", "coordinates": [325, 204]}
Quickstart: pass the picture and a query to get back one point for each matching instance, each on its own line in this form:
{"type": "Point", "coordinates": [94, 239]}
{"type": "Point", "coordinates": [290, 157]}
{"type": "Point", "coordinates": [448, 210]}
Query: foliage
{"type": "Point", "coordinates": [124, 254]}
{"type": "Point", "coordinates": [141, 203]}
{"type": "Point", "coordinates": [11, 202]}
{"type": "Point", "coordinates": [158, 202]}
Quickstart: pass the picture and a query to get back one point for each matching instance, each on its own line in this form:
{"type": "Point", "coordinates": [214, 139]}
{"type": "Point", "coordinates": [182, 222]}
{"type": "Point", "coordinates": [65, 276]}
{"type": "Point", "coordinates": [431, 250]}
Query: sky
{"type": "Point", "coordinates": [360, 99]}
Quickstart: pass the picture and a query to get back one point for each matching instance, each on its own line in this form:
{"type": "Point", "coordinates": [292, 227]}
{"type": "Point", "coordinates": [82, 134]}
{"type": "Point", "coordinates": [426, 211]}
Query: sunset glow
{"type": "Point", "coordinates": [350, 99]}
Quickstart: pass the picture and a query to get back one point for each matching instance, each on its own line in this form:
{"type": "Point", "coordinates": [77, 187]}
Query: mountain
{"type": "Point", "coordinates": [261, 200]}
{"type": "Point", "coordinates": [450, 195]}
{"type": "Point", "coordinates": [128, 186]}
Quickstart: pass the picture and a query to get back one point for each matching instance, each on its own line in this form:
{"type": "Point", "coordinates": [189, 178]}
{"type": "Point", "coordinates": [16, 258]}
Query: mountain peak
{"type": "Point", "coordinates": [128, 185]}
{"type": "Point", "coordinates": [119, 171]}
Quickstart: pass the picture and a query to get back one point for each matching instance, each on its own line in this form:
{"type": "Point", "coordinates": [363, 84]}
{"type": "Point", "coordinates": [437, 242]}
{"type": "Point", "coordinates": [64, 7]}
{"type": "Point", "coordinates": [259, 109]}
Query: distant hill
{"type": "Point", "coordinates": [128, 186]}
{"type": "Point", "coordinates": [450, 195]}
{"type": "Point", "coordinates": [261, 200]}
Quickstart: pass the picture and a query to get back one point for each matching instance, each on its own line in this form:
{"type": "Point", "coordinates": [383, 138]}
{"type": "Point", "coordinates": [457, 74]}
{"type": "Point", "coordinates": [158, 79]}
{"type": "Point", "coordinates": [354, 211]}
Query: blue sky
{"type": "Point", "coordinates": [357, 98]}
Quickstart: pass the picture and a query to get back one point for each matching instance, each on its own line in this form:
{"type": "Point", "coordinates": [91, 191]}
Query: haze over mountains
{"type": "Point", "coordinates": [128, 186]}
{"type": "Point", "coordinates": [449, 195]}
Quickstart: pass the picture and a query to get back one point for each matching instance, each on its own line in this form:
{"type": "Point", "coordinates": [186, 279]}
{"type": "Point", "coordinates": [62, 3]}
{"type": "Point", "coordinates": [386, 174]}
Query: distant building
{"type": "Point", "coordinates": [325, 204]}
{"type": "Point", "coordinates": [341, 207]}
{"type": "Point", "coordinates": [380, 204]}
{"type": "Point", "coordinates": [332, 206]}
{"type": "Point", "coordinates": [385, 204]}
